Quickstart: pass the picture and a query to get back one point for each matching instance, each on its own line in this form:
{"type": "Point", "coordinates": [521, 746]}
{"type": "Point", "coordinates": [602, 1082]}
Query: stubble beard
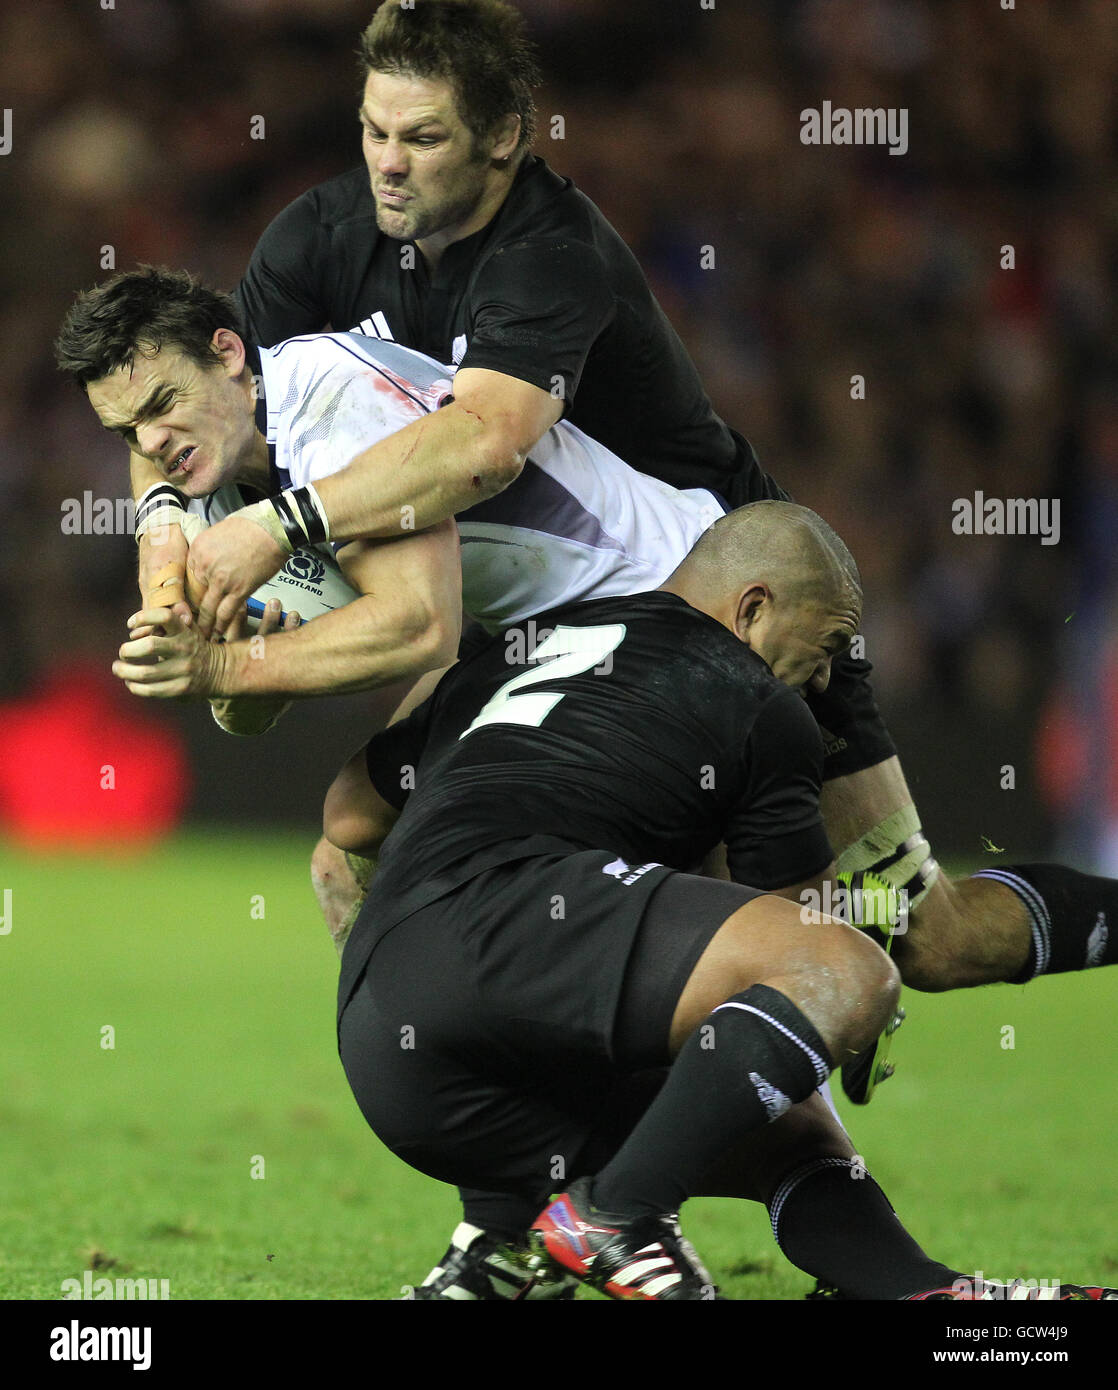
{"type": "Point", "coordinates": [405, 225]}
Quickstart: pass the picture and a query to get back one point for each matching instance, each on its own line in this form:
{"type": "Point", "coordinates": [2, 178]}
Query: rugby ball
{"type": "Point", "coordinates": [310, 584]}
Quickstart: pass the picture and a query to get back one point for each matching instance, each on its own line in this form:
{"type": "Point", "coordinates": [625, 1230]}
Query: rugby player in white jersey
{"type": "Point", "coordinates": [578, 523]}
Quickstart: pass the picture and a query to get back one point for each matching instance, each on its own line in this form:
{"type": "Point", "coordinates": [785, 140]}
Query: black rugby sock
{"type": "Point", "coordinates": [1073, 917]}
{"type": "Point", "coordinates": [501, 1214]}
{"type": "Point", "coordinates": [751, 1060]}
{"type": "Point", "coordinates": [832, 1220]}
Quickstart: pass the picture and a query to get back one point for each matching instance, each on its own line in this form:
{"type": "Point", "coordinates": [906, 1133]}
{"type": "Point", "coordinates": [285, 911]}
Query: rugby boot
{"type": "Point", "coordinates": [479, 1267]}
{"type": "Point", "coordinates": [862, 1076]}
{"type": "Point", "coordinates": [644, 1257]}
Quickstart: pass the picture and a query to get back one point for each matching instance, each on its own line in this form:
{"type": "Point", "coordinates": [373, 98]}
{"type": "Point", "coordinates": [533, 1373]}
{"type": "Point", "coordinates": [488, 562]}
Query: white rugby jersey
{"type": "Point", "coordinates": [578, 522]}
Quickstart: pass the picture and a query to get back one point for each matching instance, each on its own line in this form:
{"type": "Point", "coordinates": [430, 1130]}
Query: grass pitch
{"type": "Point", "coordinates": [172, 1105]}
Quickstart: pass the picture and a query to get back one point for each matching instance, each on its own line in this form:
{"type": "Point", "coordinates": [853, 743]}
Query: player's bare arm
{"type": "Point", "coordinates": [251, 715]}
{"type": "Point", "coordinates": [472, 448]}
{"type": "Point", "coordinates": [161, 548]}
{"type": "Point", "coordinates": [406, 621]}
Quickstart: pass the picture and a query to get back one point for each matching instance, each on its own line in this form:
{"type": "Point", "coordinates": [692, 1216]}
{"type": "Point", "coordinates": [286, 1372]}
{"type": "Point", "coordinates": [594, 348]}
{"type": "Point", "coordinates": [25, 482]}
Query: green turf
{"type": "Point", "coordinates": [136, 1160]}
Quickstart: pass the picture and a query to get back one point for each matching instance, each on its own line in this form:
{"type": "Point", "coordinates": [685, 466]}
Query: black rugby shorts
{"type": "Point", "coordinates": [508, 1036]}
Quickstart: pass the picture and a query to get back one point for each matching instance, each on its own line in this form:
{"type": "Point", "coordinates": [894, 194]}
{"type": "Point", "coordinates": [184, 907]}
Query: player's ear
{"type": "Point", "coordinates": [504, 138]}
{"type": "Point", "coordinates": [752, 605]}
{"type": "Point", "coordinates": [230, 349]}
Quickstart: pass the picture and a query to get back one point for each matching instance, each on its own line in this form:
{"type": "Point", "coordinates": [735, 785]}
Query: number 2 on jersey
{"type": "Point", "coordinates": [568, 651]}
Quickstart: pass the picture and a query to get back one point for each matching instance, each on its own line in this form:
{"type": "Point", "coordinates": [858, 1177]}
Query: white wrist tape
{"type": "Point", "coordinates": [160, 505]}
{"type": "Point", "coordinates": [266, 517]}
{"type": "Point", "coordinates": [293, 518]}
{"type": "Point", "coordinates": [896, 851]}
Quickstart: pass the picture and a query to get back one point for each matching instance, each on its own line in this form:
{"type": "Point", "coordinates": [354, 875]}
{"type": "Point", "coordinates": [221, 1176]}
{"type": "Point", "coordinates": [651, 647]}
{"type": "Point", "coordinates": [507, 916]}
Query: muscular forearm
{"type": "Point", "coordinates": [162, 548]}
{"type": "Point", "coordinates": [144, 474]}
{"type": "Point", "coordinates": [413, 481]}
{"type": "Point", "coordinates": [434, 469]}
{"type": "Point", "coordinates": [365, 644]}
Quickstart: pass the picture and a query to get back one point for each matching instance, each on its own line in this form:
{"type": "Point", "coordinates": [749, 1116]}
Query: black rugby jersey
{"type": "Point", "coordinates": [547, 292]}
{"type": "Point", "coordinates": [641, 727]}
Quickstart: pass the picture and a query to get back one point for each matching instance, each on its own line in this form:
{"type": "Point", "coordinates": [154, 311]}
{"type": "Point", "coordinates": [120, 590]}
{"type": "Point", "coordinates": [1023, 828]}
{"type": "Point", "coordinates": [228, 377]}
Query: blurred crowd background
{"type": "Point", "coordinates": [130, 129]}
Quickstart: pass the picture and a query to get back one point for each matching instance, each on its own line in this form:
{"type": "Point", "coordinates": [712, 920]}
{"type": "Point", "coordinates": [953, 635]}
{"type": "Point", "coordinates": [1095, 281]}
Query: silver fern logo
{"type": "Point", "coordinates": [776, 1103]}
{"type": "Point", "coordinates": [625, 873]}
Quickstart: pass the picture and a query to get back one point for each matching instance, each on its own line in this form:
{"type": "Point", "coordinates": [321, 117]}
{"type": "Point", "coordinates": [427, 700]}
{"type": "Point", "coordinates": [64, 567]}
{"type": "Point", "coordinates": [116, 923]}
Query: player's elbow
{"type": "Point", "coordinates": [506, 463]}
{"type": "Point", "coordinates": [496, 463]}
{"type": "Point", "coordinates": [497, 452]}
{"type": "Point", "coordinates": [443, 640]}
{"type": "Point", "coordinates": [430, 633]}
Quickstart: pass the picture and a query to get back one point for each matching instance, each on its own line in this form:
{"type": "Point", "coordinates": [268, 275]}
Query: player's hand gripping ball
{"type": "Point", "coordinates": [310, 584]}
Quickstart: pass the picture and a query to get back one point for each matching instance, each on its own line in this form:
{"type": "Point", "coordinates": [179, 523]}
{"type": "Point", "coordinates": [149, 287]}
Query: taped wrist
{"type": "Point", "coordinates": [897, 852]}
{"type": "Point", "coordinates": [293, 518]}
{"type": "Point", "coordinates": [160, 505]}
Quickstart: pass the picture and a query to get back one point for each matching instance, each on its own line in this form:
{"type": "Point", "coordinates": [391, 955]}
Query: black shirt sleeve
{"type": "Point", "coordinates": [538, 308]}
{"type": "Point", "coordinates": [280, 296]}
{"type": "Point", "coordinates": [775, 836]}
{"type": "Point", "coordinates": [392, 757]}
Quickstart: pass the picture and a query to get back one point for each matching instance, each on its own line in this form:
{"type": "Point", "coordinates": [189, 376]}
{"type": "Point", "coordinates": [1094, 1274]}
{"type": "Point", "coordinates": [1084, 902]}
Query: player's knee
{"type": "Point", "coordinates": [872, 977]}
{"type": "Point", "coordinates": [345, 830]}
{"type": "Point", "coordinates": [883, 983]}
{"type": "Point", "coordinates": [353, 816]}
{"type": "Point", "coordinates": [346, 825]}
{"type": "Point", "coordinates": [328, 867]}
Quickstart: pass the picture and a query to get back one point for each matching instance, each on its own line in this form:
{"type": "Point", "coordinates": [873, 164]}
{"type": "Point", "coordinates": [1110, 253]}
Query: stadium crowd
{"type": "Point", "coordinates": [173, 132]}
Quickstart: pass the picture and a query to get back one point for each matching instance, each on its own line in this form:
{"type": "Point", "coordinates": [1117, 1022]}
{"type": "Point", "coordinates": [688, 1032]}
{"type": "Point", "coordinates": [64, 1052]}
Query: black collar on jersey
{"type": "Point", "coordinates": [276, 480]}
{"type": "Point", "coordinates": [528, 183]}
{"type": "Point", "coordinates": [252, 361]}
{"type": "Point", "coordinates": [445, 282]}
